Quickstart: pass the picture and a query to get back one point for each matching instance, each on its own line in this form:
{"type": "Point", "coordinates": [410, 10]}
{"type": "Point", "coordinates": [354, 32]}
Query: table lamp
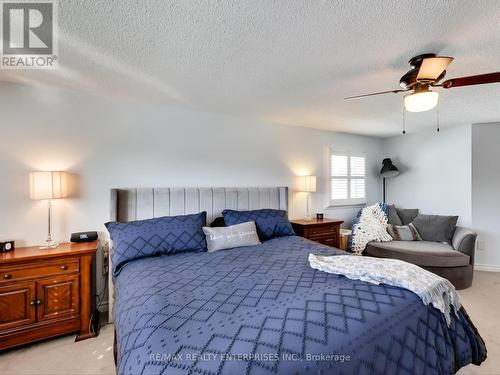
{"type": "Point", "coordinates": [48, 186]}
{"type": "Point", "coordinates": [308, 185]}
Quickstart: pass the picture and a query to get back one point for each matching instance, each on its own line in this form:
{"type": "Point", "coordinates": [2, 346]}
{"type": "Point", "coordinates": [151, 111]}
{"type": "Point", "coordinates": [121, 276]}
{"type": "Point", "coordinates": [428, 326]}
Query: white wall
{"type": "Point", "coordinates": [486, 193]}
{"type": "Point", "coordinates": [435, 172]}
{"type": "Point", "coordinates": [111, 143]}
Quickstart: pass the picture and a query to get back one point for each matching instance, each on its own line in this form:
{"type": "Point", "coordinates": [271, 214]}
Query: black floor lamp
{"type": "Point", "coordinates": [388, 170]}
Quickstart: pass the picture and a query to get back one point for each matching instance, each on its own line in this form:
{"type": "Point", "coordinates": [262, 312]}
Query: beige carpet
{"type": "Point", "coordinates": [482, 302]}
{"type": "Point", "coordinates": [63, 356]}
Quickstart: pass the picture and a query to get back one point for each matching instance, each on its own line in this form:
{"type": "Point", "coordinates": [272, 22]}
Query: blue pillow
{"type": "Point", "coordinates": [164, 235]}
{"type": "Point", "coordinates": [270, 223]}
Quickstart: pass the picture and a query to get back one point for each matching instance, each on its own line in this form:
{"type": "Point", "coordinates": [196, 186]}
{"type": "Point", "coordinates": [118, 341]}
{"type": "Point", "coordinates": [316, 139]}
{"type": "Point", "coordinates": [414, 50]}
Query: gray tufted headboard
{"type": "Point", "coordinates": [146, 203]}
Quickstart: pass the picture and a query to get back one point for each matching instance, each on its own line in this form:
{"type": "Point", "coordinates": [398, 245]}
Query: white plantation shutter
{"type": "Point", "coordinates": [339, 165]}
{"type": "Point", "coordinates": [357, 166]}
{"type": "Point", "coordinates": [358, 188]}
{"type": "Point", "coordinates": [340, 170]}
{"type": "Point", "coordinates": [348, 179]}
{"type": "Point", "coordinates": [339, 188]}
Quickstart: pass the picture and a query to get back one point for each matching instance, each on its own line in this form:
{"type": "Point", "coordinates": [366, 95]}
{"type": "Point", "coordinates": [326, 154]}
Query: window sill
{"type": "Point", "coordinates": [345, 205]}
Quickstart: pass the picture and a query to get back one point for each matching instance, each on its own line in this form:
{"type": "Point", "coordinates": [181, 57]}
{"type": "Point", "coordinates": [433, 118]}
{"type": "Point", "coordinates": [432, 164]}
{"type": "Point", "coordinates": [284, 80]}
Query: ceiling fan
{"type": "Point", "coordinates": [426, 72]}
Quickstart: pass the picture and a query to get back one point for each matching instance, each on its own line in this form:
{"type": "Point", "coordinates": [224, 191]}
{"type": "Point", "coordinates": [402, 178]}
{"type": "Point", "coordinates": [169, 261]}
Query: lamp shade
{"type": "Point", "coordinates": [48, 185]}
{"type": "Point", "coordinates": [309, 184]}
{"type": "Point", "coordinates": [388, 169]}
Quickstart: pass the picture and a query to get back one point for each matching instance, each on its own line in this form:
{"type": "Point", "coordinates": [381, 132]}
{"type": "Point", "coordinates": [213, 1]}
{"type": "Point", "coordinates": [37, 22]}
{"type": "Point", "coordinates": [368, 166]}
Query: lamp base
{"type": "Point", "coordinates": [49, 244]}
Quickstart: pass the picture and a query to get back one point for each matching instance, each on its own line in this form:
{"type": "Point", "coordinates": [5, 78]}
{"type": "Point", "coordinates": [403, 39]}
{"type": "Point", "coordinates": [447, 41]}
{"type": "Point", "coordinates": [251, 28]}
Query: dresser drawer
{"type": "Point", "coordinates": [28, 271]}
{"type": "Point", "coordinates": [320, 231]}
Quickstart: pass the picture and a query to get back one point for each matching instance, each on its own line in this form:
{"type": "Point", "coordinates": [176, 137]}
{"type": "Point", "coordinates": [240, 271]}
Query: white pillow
{"type": "Point", "coordinates": [220, 238]}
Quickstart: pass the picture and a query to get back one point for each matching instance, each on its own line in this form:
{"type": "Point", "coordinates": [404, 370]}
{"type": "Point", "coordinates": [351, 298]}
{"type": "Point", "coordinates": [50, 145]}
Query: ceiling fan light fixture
{"type": "Point", "coordinates": [421, 101]}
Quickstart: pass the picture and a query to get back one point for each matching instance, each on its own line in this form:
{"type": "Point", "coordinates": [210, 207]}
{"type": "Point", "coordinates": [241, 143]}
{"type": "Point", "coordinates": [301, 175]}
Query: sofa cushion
{"type": "Point", "coordinates": [403, 232]}
{"type": "Point", "coordinates": [435, 227]}
{"type": "Point", "coordinates": [392, 216]}
{"type": "Point", "coordinates": [421, 253]}
{"type": "Point", "coordinates": [407, 215]}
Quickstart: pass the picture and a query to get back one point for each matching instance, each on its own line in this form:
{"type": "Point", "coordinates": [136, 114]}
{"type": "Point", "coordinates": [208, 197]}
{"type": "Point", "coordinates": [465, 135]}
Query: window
{"type": "Point", "coordinates": [348, 179]}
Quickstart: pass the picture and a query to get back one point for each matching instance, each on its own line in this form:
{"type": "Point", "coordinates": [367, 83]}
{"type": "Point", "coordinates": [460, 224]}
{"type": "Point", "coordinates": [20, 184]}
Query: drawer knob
{"type": "Point", "coordinates": [38, 301]}
{"type": "Point", "coordinates": [32, 303]}
{"type": "Point", "coordinates": [7, 276]}
{"type": "Point", "coordinates": [64, 267]}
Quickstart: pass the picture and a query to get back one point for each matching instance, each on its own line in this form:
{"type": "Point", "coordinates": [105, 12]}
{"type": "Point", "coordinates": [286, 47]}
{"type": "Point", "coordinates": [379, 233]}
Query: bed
{"type": "Point", "coordinates": [263, 310]}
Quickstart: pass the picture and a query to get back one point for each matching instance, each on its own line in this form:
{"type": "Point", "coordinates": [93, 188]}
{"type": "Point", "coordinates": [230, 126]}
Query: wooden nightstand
{"type": "Point", "coordinates": [326, 231]}
{"type": "Point", "coordinates": [46, 293]}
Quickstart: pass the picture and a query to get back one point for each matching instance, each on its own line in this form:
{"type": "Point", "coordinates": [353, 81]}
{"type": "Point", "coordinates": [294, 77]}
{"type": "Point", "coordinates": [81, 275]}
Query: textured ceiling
{"type": "Point", "coordinates": [288, 62]}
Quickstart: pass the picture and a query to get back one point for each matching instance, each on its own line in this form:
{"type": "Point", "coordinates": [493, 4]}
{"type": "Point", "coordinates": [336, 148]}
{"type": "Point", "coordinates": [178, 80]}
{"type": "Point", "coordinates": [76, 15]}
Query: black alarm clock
{"type": "Point", "coordinates": [84, 237]}
{"type": "Point", "coordinates": [6, 246]}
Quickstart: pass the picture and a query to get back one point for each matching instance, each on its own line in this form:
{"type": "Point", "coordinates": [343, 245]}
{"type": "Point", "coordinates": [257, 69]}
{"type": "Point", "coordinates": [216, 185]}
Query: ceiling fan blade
{"type": "Point", "coordinates": [375, 93]}
{"type": "Point", "coordinates": [480, 79]}
{"type": "Point", "coordinates": [432, 68]}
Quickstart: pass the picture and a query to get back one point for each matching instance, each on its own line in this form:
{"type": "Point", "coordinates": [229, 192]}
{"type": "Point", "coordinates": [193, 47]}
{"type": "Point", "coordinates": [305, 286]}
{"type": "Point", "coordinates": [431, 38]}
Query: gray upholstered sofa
{"type": "Point", "coordinates": [454, 261]}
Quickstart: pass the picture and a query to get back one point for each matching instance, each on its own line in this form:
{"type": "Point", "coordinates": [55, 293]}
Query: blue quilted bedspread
{"type": "Point", "coordinates": [263, 310]}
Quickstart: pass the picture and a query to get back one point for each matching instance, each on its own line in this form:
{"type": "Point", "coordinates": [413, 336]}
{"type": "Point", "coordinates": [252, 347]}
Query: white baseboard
{"type": "Point", "coordinates": [487, 267]}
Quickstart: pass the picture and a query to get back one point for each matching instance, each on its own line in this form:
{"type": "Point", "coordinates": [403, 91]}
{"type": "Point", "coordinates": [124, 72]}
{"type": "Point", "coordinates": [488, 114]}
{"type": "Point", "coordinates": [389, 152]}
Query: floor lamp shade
{"type": "Point", "coordinates": [388, 170]}
{"type": "Point", "coordinates": [48, 185]}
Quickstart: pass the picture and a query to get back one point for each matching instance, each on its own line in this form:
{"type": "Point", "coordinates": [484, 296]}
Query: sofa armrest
{"type": "Point", "coordinates": [464, 240]}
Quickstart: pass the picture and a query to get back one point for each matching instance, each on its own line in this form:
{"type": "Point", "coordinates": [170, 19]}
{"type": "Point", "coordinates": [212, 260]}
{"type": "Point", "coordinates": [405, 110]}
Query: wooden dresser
{"type": "Point", "coordinates": [46, 293]}
{"type": "Point", "coordinates": [325, 231]}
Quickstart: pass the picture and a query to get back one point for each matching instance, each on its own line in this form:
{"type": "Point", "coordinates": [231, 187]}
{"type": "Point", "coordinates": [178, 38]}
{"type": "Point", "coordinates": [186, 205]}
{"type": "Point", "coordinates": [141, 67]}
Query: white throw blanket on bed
{"type": "Point", "coordinates": [372, 226]}
{"type": "Point", "coordinates": [428, 286]}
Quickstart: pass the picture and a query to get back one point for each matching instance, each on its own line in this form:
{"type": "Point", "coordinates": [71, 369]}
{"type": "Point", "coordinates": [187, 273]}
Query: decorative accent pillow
{"type": "Point", "coordinates": [392, 215]}
{"type": "Point", "coordinates": [270, 223]}
{"type": "Point", "coordinates": [163, 235]}
{"type": "Point", "coordinates": [436, 228]}
{"type": "Point", "coordinates": [407, 215]}
{"type": "Point", "coordinates": [238, 235]}
{"type": "Point", "coordinates": [403, 232]}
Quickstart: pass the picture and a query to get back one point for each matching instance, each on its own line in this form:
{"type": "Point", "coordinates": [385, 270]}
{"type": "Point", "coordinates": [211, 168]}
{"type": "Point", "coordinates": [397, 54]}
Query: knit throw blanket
{"type": "Point", "coordinates": [371, 225]}
{"type": "Point", "coordinates": [428, 286]}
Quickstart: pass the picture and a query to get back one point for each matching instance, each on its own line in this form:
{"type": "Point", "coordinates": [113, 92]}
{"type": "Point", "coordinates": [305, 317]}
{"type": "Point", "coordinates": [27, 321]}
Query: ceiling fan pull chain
{"type": "Point", "coordinates": [437, 114]}
{"type": "Point", "coordinates": [404, 120]}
